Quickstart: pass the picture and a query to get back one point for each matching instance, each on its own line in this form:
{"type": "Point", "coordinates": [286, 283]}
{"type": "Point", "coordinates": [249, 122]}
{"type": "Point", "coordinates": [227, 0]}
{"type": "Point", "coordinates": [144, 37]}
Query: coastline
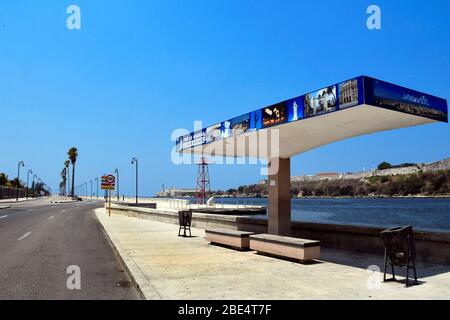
{"type": "Point", "coordinates": [340, 197]}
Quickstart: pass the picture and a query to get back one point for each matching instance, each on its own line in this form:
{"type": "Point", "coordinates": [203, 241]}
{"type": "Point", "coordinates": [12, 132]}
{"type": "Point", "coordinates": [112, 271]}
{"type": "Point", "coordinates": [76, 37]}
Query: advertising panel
{"type": "Point", "coordinates": [390, 96]}
{"type": "Point", "coordinates": [192, 140]}
{"type": "Point", "coordinates": [256, 120]}
{"type": "Point", "coordinates": [240, 125]}
{"type": "Point", "coordinates": [348, 94]}
{"type": "Point", "coordinates": [274, 115]}
{"type": "Point", "coordinates": [226, 129]}
{"type": "Point", "coordinates": [320, 102]}
{"type": "Point", "coordinates": [295, 109]}
{"type": "Point", "coordinates": [213, 133]}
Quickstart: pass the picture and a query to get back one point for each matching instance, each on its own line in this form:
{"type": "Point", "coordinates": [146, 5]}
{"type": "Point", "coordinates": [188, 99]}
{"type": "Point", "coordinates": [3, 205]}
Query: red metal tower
{"type": "Point", "coordinates": [203, 182]}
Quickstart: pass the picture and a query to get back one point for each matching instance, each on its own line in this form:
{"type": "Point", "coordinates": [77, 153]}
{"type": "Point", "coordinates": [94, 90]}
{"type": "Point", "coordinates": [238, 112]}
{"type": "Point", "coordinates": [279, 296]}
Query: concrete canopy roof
{"type": "Point", "coordinates": [348, 109]}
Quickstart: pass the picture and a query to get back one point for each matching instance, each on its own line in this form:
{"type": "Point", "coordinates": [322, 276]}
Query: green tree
{"type": "Point", "coordinates": [73, 155]}
{"type": "Point", "coordinates": [16, 183]}
{"type": "Point", "coordinates": [66, 165]}
{"type": "Point", "coordinates": [3, 179]}
{"type": "Point", "coordinates": [384, 165]}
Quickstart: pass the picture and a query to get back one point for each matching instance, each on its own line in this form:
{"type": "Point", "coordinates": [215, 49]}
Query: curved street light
{"type": "Point", "coordinates": [118, 190]}
{"type": "Point", "coordinates": [135, 161]}
{"type": "Point", "coordinates": [21, 164]}
{"type": "Point", "coordinates": [34, 184]}
{"type": "Point", "coordinates": [90, 181]}
{"type": "Point", "coordinates": [28, 179]}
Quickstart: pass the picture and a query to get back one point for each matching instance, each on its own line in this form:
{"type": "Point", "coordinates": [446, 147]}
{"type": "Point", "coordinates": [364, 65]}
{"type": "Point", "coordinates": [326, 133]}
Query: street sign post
{"type": "Point", "coordinates": [109, 183]}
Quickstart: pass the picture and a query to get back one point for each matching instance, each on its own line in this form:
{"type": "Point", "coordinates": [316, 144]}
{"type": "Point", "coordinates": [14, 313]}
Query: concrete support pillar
{"type": "Point", "coordinates": [279, 202]}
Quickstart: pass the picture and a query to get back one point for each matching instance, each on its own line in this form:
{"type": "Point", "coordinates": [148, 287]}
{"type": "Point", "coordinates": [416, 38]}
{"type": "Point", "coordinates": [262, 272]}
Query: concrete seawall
{"type": "Point", "coordinates": [431, 247]}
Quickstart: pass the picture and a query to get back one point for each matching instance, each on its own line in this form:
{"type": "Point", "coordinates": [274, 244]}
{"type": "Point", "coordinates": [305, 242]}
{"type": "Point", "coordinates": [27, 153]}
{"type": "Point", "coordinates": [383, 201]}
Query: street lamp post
{"type": "Point", "coordinates": [86, 189]}
{"type": "Point", "coordinates": [34, 184]}
{"type": "Point", "coordinates": [118, 190]}
{"type": "Point", "coordinates": [21, 164]}
{"type": "Point", "coordinates": [135, 161]}
{"type": "Point", "coordinates": [28, 179]}
{"type": "Point", "coordinates": [90, 181]}
{"type": "Point", "coordinates": [96, 179]}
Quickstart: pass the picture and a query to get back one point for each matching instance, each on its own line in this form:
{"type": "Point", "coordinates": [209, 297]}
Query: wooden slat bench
{"type": "Point", "coordinates": [231, 238]}
{"type": "Point", "coordinates": [287, 247]}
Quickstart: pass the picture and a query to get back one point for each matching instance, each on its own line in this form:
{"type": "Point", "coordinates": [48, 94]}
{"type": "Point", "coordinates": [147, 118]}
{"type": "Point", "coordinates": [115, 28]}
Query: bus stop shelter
{"type": "Point", "coordinates": [351, 108]}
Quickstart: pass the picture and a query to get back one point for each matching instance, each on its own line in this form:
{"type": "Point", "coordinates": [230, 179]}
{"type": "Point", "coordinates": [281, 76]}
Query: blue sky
{"type": "Point", "coordinates": [137, 70]}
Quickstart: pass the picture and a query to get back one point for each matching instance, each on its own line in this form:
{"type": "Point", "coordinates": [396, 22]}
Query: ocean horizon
{"type": "Point", "coordinates": [427, 214]}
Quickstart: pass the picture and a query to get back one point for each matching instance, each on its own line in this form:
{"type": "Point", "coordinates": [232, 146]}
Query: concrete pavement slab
{"type": "Point", "coordinates": [166, 266]}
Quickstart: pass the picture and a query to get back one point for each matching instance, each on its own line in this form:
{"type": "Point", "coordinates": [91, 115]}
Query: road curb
{"type": "Point", "coordinates": [141, 283]}
{"type": "Point", "coordinates": [71, 201]}
{"type": "Point", "coordinates": [4, 207]}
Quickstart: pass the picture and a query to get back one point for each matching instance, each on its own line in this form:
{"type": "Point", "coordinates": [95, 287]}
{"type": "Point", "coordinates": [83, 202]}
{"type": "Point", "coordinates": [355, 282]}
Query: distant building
{"type": "Point", "coordinates": [173, 193]}
{"type": "Point", "coordinates": [327, 176]}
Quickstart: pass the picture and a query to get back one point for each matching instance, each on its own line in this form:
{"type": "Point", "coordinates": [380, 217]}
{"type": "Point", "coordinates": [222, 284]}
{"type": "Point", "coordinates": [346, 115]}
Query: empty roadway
{"type": "Point", "coordinates": [39, 240]}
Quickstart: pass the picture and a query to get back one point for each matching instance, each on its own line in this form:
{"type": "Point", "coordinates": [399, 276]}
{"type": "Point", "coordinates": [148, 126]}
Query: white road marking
{"type": "Point", "coordinates": [24, 236]}
{"type": "Point", "coordinates": [50, 218]}
{"type": "Point", "coordinates": [2, 217]}
{"type": "Point", "coordinates": [64, 210]}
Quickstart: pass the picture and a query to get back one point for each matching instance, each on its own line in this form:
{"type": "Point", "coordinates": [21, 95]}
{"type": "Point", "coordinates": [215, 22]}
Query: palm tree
{"type": "Point", "coordinates": [63, 182]}
{"type": "Point", "coordinates": [66, 165]}
{"type": "Point", "coordinates": [61, 187]}
{"type": "Point", "coordinates": [73, 154]}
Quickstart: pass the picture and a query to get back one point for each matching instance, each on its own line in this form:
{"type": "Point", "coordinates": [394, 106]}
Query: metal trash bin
{"type": "Point", "coordinates": [399, 250]}
{"type": "Point", "coordinates": [185, 219]}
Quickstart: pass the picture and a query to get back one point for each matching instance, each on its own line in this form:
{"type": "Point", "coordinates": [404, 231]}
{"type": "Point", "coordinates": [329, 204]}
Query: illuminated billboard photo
{"type": "Point", "coordinates": [295, 109]}
{"type": "Point", "coordinates": [226, 129]}
{"type": "Point", "coordinates": [256, 120]}
{"type": "Point", "coordinates": [240, 125]}
{"type": "Point", "coordinates": [192, 140]}
{"type": "Point", "coordinates": [321, 101]}
{"type": "Point", "coordinates": [213, 133]}
{"type": "Point", "coordinates": [390, 96]}
{"type": "Point", "coordinates": [348, 94]}
{"type": "Point", "coordinates": [274, 115]}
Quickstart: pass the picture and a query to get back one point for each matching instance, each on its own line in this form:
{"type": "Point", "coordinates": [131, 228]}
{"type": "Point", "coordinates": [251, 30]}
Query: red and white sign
{"type": "Point", "coordinates": [108, 182]}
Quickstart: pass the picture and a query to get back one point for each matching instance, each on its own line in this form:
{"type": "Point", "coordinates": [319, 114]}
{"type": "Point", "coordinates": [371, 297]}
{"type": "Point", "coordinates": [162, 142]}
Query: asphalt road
{"type": "Point", "coordinates": [39, 240]}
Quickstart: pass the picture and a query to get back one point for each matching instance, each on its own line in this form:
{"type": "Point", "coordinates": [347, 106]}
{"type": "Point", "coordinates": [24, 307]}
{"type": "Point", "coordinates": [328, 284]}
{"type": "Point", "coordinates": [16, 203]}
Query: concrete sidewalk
{"type": "Point", "coordinates": [13, 200]}
{"type": "Point", "coordinates": [165, 266]}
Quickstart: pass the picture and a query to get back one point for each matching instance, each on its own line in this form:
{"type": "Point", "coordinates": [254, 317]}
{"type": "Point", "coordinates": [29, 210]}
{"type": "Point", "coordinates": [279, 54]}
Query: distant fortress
{"type": "Point", "coordinates": [434, 166]}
